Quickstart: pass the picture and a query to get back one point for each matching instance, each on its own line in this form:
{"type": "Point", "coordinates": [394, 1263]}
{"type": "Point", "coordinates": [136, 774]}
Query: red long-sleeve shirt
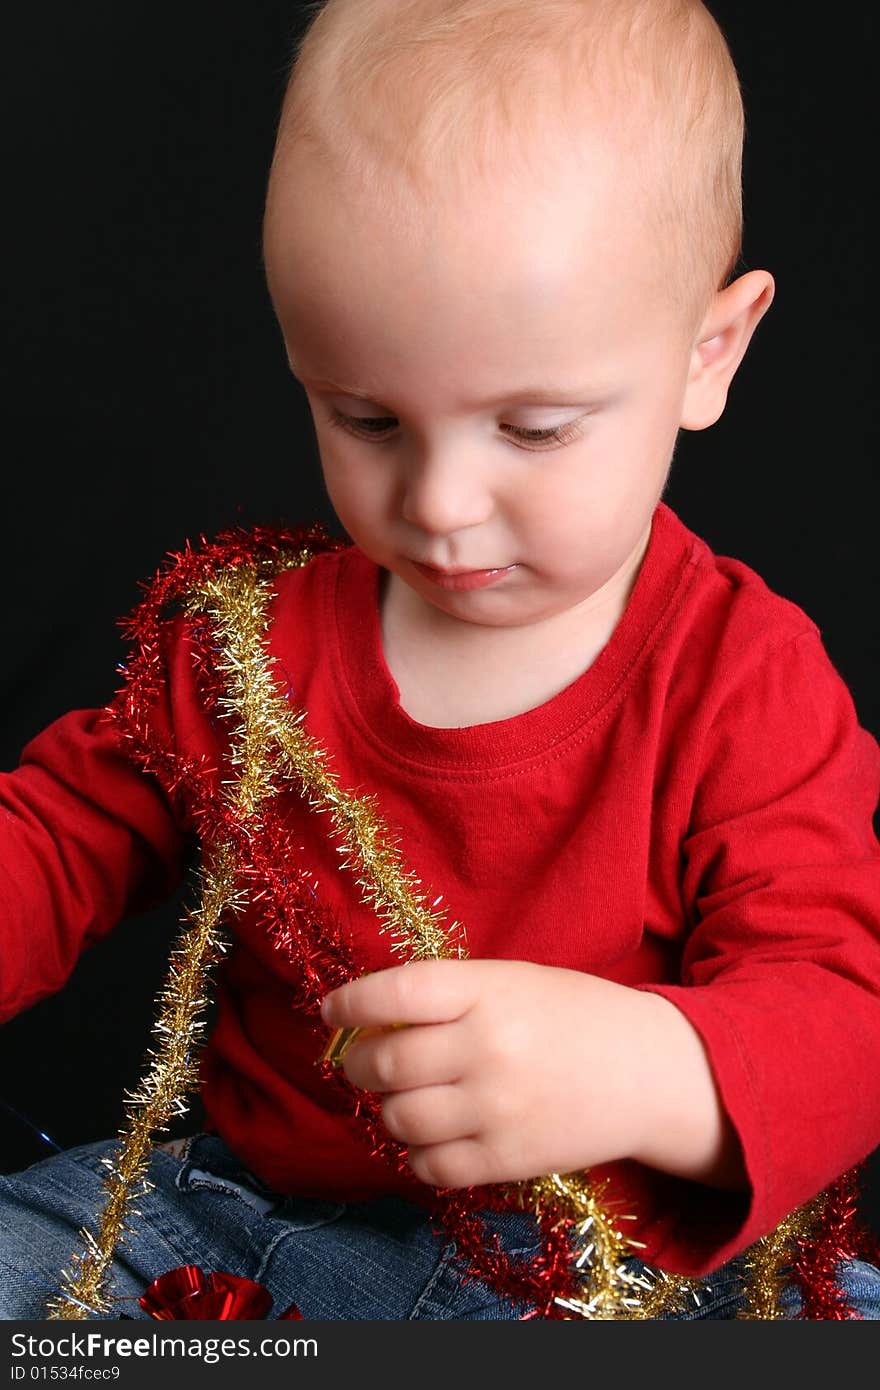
{"type": "Point", "coordinates": [692, 816]}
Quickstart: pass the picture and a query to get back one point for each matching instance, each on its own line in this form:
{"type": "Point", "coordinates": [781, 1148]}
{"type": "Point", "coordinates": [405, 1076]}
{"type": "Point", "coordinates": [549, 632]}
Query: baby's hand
{"type": "Point", "coordinates": [509, 1070]}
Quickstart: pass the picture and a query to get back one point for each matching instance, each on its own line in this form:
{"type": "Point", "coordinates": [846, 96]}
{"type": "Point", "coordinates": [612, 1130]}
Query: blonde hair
{"type": "Point", "coordinates": [419, 96]}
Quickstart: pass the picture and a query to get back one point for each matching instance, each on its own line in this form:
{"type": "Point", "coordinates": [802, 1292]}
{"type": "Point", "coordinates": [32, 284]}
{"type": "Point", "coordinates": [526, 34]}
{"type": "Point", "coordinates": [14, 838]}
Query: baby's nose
{"type": "Point", "coordinates": [443, 494]}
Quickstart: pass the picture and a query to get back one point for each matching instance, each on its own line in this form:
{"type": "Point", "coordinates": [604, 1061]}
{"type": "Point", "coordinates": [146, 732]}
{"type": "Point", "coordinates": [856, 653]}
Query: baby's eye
{"type": "Point", "coordinates": [369, 424]}
{"type": "Point", "coordinates": [560, 434]}
{"type": "Point", "coordinates": [379, 425]}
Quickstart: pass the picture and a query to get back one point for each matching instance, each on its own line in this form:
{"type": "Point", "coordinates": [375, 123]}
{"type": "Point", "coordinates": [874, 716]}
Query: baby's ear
{"type": "Point", "coordinates": [726, 332]}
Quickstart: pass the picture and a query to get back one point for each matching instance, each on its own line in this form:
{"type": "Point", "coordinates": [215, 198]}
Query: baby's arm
{"type": "Point", "coordinates": [85, 839]}
{"type": "Point", "coordinates": [518, 1069]}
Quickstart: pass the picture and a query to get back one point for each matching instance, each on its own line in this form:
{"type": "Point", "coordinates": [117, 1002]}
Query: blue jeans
{"type": "Point", "coordinates": [372, 1260]}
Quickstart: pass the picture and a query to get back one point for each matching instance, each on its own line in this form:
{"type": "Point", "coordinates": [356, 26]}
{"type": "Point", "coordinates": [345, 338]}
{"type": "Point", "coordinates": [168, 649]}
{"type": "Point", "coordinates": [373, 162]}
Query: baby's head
{"type": "Point", "coordinates": [498, 238]}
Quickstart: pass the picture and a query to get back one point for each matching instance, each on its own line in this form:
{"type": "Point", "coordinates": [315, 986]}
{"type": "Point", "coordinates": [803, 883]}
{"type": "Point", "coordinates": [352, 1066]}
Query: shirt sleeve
{"type": "Point", "coordinates": [86, 838]}
{"type": "Point", "coordinates": [780, 973]}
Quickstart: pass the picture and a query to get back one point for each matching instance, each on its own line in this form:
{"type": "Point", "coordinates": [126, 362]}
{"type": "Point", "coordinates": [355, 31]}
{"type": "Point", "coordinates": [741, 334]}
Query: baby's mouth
{"type": "Point", "coordinates": [463, 579]}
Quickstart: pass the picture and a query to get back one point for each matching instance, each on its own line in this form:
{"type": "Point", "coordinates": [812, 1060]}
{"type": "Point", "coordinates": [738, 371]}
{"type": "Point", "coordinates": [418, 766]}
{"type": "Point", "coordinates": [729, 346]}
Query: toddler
{"type": "Point", "coordinates": [500, 240]}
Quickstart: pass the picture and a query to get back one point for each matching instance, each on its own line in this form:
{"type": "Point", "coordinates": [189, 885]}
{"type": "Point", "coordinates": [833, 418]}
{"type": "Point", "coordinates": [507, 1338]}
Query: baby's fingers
{"type": "Point", "coordinates": [405, 1059]}
{"type": "Point", "coordinates": [425, 991]}
{"type": "Point", "coordinates": [432, 1115]}
{"type": "Point", "coordinates": [458, 1162]}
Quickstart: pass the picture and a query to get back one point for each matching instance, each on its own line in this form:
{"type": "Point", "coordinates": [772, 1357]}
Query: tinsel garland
{"type": "Point", "coordinates": [585, 1266]}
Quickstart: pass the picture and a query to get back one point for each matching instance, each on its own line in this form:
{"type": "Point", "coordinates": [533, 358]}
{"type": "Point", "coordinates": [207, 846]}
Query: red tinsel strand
{"type": "Point", "coordinates": [269, 549]}
{"type": "Point", "coordinates": [289, 908]}
{"type": "Point", "coordinates": [265, 547]}
{"type": "Point", "coordinates": [300, 926]}
{"type": "Point", "coordinates": [287, 902]}
{"type": "Point", "coordinates": [537, 1281]}
{"type": "Point", "coordinates": [841, 1237]}
{"type": "Point", "coordinates": [297, 925]}
{"type": "Point", "coordinates": [261, 848]}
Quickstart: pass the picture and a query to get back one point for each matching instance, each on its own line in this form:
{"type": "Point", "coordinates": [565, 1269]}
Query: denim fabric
{"type": "Point", "coordinates": [373, 1260]}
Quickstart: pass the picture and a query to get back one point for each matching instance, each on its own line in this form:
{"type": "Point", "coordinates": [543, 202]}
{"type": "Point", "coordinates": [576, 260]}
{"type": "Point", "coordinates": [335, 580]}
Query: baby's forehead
{"type": "Point", "coordinates": [505, 265]}
{"type": "Point", "coordinates": [549, 154]}
{"type": "Point", "coordinates": [516, 217]}
{"type": "Point", "coordinates": [437, 108]}
{"type": "Point", "coordinates": [484, 205]}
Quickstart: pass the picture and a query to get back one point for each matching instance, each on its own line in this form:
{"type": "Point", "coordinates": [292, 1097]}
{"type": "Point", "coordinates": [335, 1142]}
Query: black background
{"type": "Point", "coordinates": [148, 399]}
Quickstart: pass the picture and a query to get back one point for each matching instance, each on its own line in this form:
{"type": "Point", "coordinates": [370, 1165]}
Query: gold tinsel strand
{"type": "Point", "coordinates": [668, 1293]}
{"type": "Point", "coordinates": [172, 1075]}
{"type": "Point", "coordinates": [766, 1262]}
{"type": "Point", "coordinates": [390, 890]}
{"type": "Point", "coordinates": [237, 601]}
{"type": "Point", "coordinates": [610, 1289]}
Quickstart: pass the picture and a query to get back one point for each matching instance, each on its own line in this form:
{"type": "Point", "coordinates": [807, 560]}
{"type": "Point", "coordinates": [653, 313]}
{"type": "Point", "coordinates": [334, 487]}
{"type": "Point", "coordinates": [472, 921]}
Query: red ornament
{"type": "Point", "coordinates": [188, 1292]}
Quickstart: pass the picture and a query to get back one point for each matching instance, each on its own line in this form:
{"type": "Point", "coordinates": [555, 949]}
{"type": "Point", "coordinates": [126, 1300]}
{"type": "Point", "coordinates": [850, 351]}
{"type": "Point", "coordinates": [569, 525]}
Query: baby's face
{"type": "Point", "coordinates": [496, 396]}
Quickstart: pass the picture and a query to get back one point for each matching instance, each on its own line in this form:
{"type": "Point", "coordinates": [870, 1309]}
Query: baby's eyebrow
{"type": "Point", "coordinates": [533, 395]}
{"type": "Point", "coordinates": [545, 395]}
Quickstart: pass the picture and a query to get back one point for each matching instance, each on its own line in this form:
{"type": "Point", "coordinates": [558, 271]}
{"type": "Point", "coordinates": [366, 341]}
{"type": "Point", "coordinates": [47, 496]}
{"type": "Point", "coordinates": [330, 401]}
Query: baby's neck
{"type": "Point", "coordinates": [452, 674]}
